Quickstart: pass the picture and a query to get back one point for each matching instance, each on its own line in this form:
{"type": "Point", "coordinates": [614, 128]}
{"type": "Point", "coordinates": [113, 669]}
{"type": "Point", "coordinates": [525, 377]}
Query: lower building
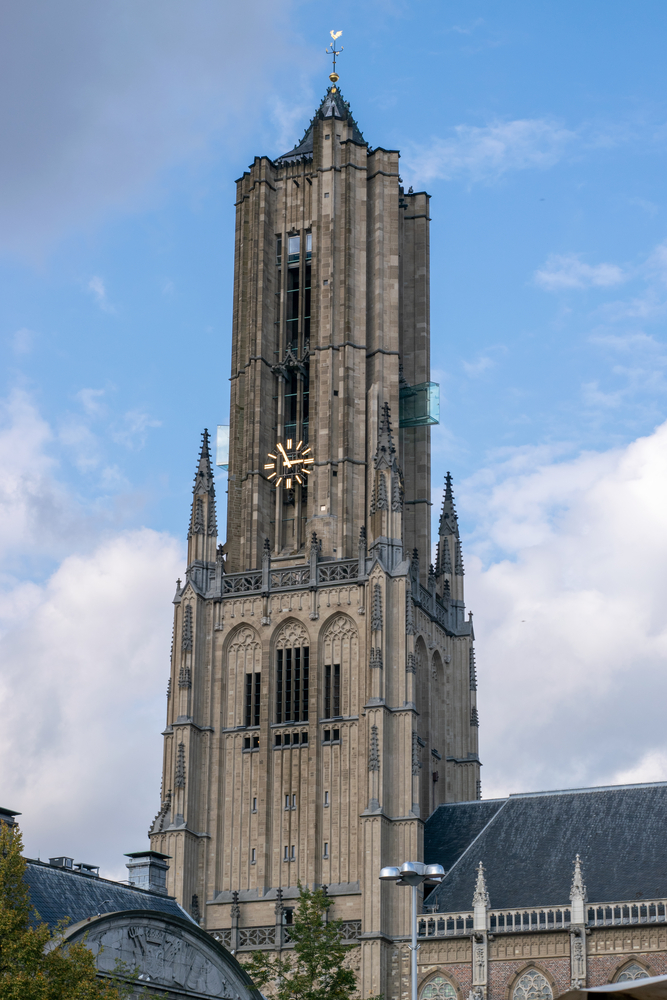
{"type": "Point", "coordinates": [139, 925]}
{"type": "Point", "coordinates": [544, 892]}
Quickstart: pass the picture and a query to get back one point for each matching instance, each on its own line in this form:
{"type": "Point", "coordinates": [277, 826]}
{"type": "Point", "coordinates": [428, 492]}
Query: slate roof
{"type": "Point", "coordinates": [332, 106]}
{"type": "Point", "coordinates": [527, 844]}
{"type": "Point", "coordinates": [57, 893]}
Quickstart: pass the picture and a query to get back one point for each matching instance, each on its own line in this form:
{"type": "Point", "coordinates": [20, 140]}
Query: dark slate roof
{"type": "Point", "coordinates": [57, 893]}
{"type": "Point", "coordinates": [527, 844]}
{"type": "Point", "coordinates": [332, 106]}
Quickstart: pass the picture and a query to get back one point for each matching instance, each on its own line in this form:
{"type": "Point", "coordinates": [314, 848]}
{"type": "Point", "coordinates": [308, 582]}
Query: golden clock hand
{"type": "Point", "coordinates": [284, 454]}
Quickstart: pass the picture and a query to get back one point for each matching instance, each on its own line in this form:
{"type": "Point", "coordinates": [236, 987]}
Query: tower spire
{"type": "Point", "coordinates": [449, 522]}
{"type": "Point", "coordinates": [385, 453]}
{"type": "Point", "coordinates": [203, 532]}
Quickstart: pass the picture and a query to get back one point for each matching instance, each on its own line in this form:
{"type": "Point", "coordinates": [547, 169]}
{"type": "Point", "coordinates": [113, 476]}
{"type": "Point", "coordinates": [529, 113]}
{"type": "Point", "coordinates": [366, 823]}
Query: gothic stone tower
{"type": "Point", "coordinates": [322, 693]}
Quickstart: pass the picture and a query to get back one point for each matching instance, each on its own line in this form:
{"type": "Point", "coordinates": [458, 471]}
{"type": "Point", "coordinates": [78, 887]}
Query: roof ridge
{"type": "Point", "coordinates": [592, 788]}
{"type": "Point", "coordinates": [475, 839]}
{"type": "Point", "coordinates": [96, 879]}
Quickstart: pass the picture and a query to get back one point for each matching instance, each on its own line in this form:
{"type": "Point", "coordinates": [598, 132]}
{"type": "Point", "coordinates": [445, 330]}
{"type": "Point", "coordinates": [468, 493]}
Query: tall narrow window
{"type": "Point", "coordinates": [292, 306]}
{"type": "Point", "coordinates": [248, 699]}
{"type": "Point", "coordinates": [326, 850]}
{"type": "Point", "coordinates": [306, 306]}
{"type": "Point", "coordinates": [253, 856]}
{"type": "Point", "coordinates": [331, 690]}
{"type": "Point", "coordinates": [279, 687]}
{"type": "Point", "coordinates": [258, 692]}
{"type": "Point", "coordinates": [292, 667]}
{"type": "Point", "coordinates": [279, 249]}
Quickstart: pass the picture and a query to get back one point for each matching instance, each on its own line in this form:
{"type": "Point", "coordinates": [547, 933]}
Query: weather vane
{"type": "Point", "coordinates": [331, 50]}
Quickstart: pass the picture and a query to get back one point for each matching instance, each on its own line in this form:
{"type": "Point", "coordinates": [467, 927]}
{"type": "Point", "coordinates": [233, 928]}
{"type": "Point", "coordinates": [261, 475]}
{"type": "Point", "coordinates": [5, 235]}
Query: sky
{"type": "Point", "coordinates": [540, 131]}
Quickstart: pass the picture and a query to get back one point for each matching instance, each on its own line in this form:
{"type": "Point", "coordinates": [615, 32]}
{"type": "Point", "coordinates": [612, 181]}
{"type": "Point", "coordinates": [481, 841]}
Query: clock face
{"type": "Point", "coordinates": [289, 463]}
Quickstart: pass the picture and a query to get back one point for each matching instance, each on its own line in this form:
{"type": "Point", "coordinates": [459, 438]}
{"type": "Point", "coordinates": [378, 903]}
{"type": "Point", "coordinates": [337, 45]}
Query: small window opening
{"type": "Point", "coordinates": [287, 802]}
{"type": "Point", "coordinates": [286, 858]}
{"type": "Point", "coordinates": [294, 802]}
{"type": "Point", "coordinates": [327, 736]}
{"type": "Point", "coordinates": [288, 916]}
{"type": "Point", "coordinates": [254, 805]}
{"type": "Point", "coordinates": [253, 856]}
{"type": "Point", "coordinates": [293, 856]}
{"type": "Point", "coordinates": [326, 850]}
{"type": "Point", "coordinates": [246, 743]}
{"type": "Point", "coordinates": [336, 735]}
{"type": "Point", "coordinates": [326, 800]}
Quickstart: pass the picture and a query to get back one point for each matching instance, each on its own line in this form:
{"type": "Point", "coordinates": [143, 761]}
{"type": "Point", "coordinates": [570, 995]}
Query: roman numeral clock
{"type": "Point", "coordinates": [289, 463]}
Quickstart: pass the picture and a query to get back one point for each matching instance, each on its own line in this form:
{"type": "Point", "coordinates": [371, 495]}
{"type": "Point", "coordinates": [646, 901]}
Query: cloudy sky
{"type": "Point", "coordinates": [541, 132]}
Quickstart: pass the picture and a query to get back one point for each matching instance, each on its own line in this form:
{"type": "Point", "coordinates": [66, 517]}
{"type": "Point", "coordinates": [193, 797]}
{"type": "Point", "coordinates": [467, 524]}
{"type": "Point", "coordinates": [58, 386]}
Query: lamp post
{"type": "Point", "coordinates": [413, 873]}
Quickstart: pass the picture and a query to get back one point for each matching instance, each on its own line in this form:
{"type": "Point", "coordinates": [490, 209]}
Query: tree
{"type": "Point", "coordinates": [35, 964]}
{"type": "Point", "coordinates": [316, 969]}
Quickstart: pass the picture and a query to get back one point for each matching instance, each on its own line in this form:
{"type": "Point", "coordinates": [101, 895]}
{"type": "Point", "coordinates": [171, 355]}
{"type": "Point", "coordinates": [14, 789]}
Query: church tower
{"type": "Point", "coordinates": [322, 695]}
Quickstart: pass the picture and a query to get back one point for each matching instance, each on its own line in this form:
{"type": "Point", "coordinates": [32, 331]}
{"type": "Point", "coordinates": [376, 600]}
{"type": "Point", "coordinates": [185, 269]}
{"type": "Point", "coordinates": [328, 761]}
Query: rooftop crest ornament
{"type": "Point", "coordinates": [333, 51]}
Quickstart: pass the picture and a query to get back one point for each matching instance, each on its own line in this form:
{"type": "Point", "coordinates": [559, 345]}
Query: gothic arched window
{"type": "Point", "coordinates": [438, 988]}
{"type": "Point", "coordinates": [532, 986]}
{"type": "Point", "coordinates": [339, 651]}
{"type": "Point", "coordinates": [292, 669]}
{"type": "Point", "coordinates": [632, 971]}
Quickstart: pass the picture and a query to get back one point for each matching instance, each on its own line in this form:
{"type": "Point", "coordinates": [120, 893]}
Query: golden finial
{"type": "Point", "coordinates": [332, 51]}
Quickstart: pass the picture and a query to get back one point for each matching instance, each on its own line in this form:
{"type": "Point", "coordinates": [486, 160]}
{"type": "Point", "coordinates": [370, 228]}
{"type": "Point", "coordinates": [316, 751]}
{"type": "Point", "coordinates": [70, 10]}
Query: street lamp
{"type": "Point", "coordinates": [413, 873]}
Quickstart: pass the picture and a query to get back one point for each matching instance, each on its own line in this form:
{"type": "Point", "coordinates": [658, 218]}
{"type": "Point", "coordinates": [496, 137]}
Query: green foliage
{"type": "Point", "coordinates": [315, 970]}
{"type": "Point", "coordinates": [34, 964]}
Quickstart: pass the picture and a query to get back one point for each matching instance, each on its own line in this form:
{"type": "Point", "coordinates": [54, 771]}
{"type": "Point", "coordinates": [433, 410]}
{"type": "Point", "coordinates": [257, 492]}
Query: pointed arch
{"type": "Point", "coordinates": [291, 658]}
{"type": "Point", "coordinates": [438, 986]}
{"type": "Point", "coordinates": [631, 970]}
{"type": "Point", "coordinates": [532, 983]}
{"type": "Point", "coordinates": [339, 656]}
{"type": "Point", "coordinates": [244, 676]}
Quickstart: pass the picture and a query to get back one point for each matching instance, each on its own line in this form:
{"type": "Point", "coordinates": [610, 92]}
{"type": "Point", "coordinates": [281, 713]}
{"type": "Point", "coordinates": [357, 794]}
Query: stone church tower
{"type": "Point", "coordinates": [322, 694]}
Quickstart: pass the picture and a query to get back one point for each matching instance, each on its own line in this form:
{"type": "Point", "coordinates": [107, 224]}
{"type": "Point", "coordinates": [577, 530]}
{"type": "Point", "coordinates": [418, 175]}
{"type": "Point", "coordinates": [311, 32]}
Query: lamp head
{"type": "Point", "coordinates": [434, 873]}
{"type": "Point", "coordinates": [390, 874]}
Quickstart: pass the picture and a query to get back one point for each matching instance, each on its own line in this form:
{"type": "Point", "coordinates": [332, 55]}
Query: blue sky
{"type": "Point", "coordinates": [540, 130]}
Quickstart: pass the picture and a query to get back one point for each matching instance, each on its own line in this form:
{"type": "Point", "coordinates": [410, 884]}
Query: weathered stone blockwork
{"type": "Point", "coordinates": [322, 700]}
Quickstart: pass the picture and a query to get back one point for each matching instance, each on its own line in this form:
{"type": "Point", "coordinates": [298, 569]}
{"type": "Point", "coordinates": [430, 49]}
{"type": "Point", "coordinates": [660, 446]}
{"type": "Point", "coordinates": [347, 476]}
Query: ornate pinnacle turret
{"type": "Point", "coordinates": [481, 896]}
{"type": "Point", "coordinates": [385, 455]}
{"type": "Point", "coordinates": [203, 530]}
{"type": "Point", "coordinates": [577, 893]}
{"type": "Point", "coordinates": [204, 474]}
{"type": "Point", "coordinates": [449, 522]}
{"type": "Point", "coordinates": [480, 902]}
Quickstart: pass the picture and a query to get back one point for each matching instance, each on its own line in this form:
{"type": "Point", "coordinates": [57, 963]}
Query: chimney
{"type": "Point", "coordinates": [148, 870]}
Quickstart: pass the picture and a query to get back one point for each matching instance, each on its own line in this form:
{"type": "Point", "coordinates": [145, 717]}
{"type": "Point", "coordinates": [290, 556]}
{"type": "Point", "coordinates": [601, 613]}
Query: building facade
{"type": "Point", "coordinates": [544, 892]}
{"type": "Point", "coordinates": [322, 696]}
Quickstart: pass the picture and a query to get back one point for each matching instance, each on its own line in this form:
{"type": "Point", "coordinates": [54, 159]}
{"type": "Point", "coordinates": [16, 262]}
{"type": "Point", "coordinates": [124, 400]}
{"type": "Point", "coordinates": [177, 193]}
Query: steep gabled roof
{"type": "Point", "coordinates": [528, 843]}
{"type": "Point", "coordinates": [332, 106]}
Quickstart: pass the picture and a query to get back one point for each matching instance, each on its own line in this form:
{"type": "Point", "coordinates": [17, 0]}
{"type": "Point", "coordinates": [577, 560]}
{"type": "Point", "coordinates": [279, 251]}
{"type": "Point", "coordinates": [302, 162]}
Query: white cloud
{"type": "Point", "coordinates": [486, 153]}
{"type": "Point", "coordinates": [98, 289]}
{"type": "Point", "coordinates": [133, 430]}
{"type": "Point", "coordinates": [479, 366]}
{"type": "Point", "coordinates": [569, 271]}
{"type": "Point", "coordinates": [102, 97]}
{"type": "Point", "coordinates": [85, 657]}
{"type": "Point", "coordinates": [85, 666]}
{"type": "Point", "coordinates": [567, 575]}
